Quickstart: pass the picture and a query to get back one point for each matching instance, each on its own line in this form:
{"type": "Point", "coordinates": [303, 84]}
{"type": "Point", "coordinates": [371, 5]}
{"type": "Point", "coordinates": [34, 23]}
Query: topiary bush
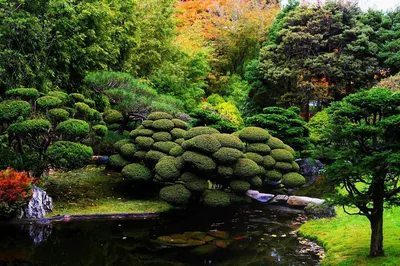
{"type": "Point", "coordinates": [292, 180]}
{"type": "Point", "coordinates": [176, 195]}
{"type": "Point", "coordinates": [216, 198]}
{"type": "Point", "coordinates": [239, 186]}
{"type": "Point", "coordinates": [112, 117]}
{"type": "Point", "coordinates": [48, 102]}
{"type": "Point", "coordinates": [10, 111]}
{"type": "Point", "coordinates": [100, 130]}
{"type": "Point", "coordinates": [33, 127]}
{"type": "Point", "coordinates": [23, 93]}
{"type": "Point", "coordinates": [128, 151]}
{"type": "Point", "coordinates": [227, 155]}
{"type": "Point", "coordinates": [137, 172]}
{"type": "Point", "coordinates": [117, 162]}
{"type": "Point", "coordinates": [69, 155]}
{"type": "Point", "coordinates": [57, 115]}
{"type": "Point", "coordinates": [254, 134]}
{"type": "Point", "coordinates": [204, 143]}
{"type": "Point", "coordinates": [73, 128]}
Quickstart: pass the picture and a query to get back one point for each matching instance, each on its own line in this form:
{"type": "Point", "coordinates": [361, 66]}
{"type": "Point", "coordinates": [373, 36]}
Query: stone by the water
{"type": "Point", "coordinates": [39, 206]}
{"type": "Point", "coordinates": [303, 201]}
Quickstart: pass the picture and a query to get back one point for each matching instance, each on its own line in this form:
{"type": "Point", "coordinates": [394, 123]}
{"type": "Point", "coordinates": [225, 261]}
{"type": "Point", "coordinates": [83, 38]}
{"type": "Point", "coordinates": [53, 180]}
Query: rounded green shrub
{"type": "Point", "coordinates": [230, 141]}
{"type": "Point", "coordinates": [144, 132]}
{"type": "Point", "coordinates": [269, 162]}
{"type": "Point", "coordinates": [118, 145]}
{"type": "Point", "coordinates": [296, 167]}
{"type": "Point", "coordinates": [167, 169]}
{"type": "Point", "coordinates": [273, 175]}
{"type": "Point", "coordinates": [11, 110]}
{"type": "Point", "coordinates": [198, 161]}
{"type": "Point", "coordinates": [179, 123]}
{"type": "Point", "coordinates": [227, 155]}
{"type": "Point", "coordinates": [254, 134]}
{"type": "Point", "coordinates": [154, 156]}
{"type": "Point", "coordinates": [64, 97]}
{"type": "Point", "coordinates": [100, 130]}
{"type": "Point", "coordinates": [292, 180]}
{"type": "Point", "coordinates": [245, 168]}
{"type": "Point", "coordinates": [179, 141]}
{"type": "Point", "coordinates": [284, 167]}
{"type": "Point", "coordinates": [162, 136]}
{"type": "Point", "coordinates": [32, 127]}
{"type": "Point", "coordinates": [178, 133]}
{"type": "Point", "coordinates": [117, 162]}
{"type": "Point", "coordinates": [255, 157]}
{"type": "Point", "coordinates": [289, 149]}
{"type": "Point", "coordinates": [137, 172]}
{"type": "Point", "coordinates": [113, 117]}
{"type": "Point", "coordinates": [57, 115]}
{"type": "Point", "coordinates": [163, 125]}
{"type": "Point", "coordinates": [177, 151]}
{"type": "Point", "coordinates": [68, 155]}
{"type": "Point", "coordinates": [128, 151]}
{"type": "Point", "coordinates": [260, 148]}
{"type": "Point", "coordinates": [113, 127]}
{"type": "Point", "coordinates": [216, 198]}
{"type": "Point", "coordinates": [225, 171]}
{"type": "Point", "coordinates": [203, 143]}
{"type": "Point", "coordinates": [48, 102]}
{"type": "Point", "coordinates": [140, 156]}
{"type": "Point", "coordinates": [275, 143]}
{"type": "Point", "coordinates": [23, 93]}
{"type": "Point", "coordinates": [180, 162]}
{"type": "Point", "coordinates": [90, 102]}
{"type": "Point", "coordinates": [196, 131]}
{"type": "Point", "coordinates": [234, 198]}
{"type": "Point", "coordinates": [144, 142]}
{"type": "Point", "coordinates": [73, 128]}
{"type": "Point", "coordinates": [261, 171]}
{"type": "Point", "coordinates": [147, 123]}
{"type": "Point", "coordinates": [176, 195]}
{"type": "Point", "coordinates": [159, 115]}
{"type": "Point", "coordinates": [164, 146]}
{"type": "Point", "coordinates": [256, 182]}
{"type": "Point", "coordinates": [76, 97]}
{"type": "Point", "coordinates": [282, 155]}
{"type": "Point", "coordinates": [197, 185]}
{"type": "Point", "coordinates": [239, 186]}
{"type": "Point", "coordinates": [189, 177]}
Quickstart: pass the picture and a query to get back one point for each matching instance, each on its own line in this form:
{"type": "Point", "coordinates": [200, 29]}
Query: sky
{"type": "Point", "coordinates": [383, 5]}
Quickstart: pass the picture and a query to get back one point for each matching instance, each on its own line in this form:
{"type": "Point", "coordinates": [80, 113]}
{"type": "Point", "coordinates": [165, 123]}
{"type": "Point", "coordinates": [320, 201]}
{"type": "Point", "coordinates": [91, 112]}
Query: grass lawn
{"type": "Point", "coordinates": [346, 238]}
{"type": "Point", "coordinates": [93, 190]}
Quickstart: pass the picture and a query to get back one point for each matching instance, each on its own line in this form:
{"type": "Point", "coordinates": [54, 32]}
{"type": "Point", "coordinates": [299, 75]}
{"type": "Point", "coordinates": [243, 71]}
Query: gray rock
{"type": "Point", "coordinates": [281, 199]}
{"type": "Point", "coordinates": [303, 201]}
{"type": "Point", "coordinates": [39, 205]}
{"type": "Point", "coordinates": [39, 232]}
{"type": "Point", "coordinates": [262, 197]}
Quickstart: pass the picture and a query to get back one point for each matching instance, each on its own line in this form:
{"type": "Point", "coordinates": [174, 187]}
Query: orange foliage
{"type": "Point", "coordinates": [15, 187]}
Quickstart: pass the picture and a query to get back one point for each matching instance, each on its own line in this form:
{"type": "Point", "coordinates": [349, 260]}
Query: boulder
{"type": "Point", "coordinates": [303, 201]}
{"type": "Point", "coordinates": [262, 197]}
{"type": "Point", "coordinates": [39, 205]}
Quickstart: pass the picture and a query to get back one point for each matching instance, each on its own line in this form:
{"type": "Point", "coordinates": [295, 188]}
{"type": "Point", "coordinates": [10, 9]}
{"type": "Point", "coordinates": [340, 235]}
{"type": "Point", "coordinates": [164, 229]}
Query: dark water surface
{"type": "Point", "coordinates": [237, 237]}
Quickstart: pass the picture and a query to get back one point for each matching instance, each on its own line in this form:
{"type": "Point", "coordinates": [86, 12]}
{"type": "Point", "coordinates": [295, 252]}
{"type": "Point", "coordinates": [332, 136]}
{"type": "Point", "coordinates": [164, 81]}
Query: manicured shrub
{"type": "Point", "coordinates": [230, 141]}
{"type": "Point", "coordinates": [275, 143]}
{"type": "Point", "coordinates": [163, 125]}
{"type": "Point", "coordinates": [159, 115]}
{"type": "Point", "coordinates": [73, 128]}
{"type": "Point", "coordinates": [117, 162]}
{"type": "Point", "coordinates": [90, 102]}
{"type": "Point", "coordinates": [64, 97]}
{"type": "Point", "coordinates": [144, 142]}
{"type": "Point", "coordinates": [189, 177]}
{"type": "Point", "coordinates": [198, 161]}
{"type": "Point", "coordinates": [118, 145]}
{"type": "Point", "coordinates": [234, 198]}
{"type": "Point", "coordinates": [257, 158]}
{"type": "Point", "coordinates": [292, 180]}
{"type": "Point", "coordinates": [284, 167]}
{"type": "Point", "coordinates": [196, 131]}
{"type": "Point", "coordinates": [197, 185]}
{"type": "Point", "coordinates": [140, 156]}
{"type": "Point", "coordinates": [11, 110]}
{"type": "Point", "coordinates": [254, 134]}
{"type": "Point", "coordinates": [100, 130]}
{"type": "Point", "coordinates": [164, 146]}
{"type": "Point", "coordinates": [260, 148]}
{"type": "Point", "coordinates": [23, 93]}
{"type": "Point", "coordinates": [162, 136]}
{"type": "Point", "coordinates": [57, 115]}
{"type": "Point", "coordinates": [178, 133]}
{"type": "Point", "coordinates": [273, 175]}
{"type": "Point", "coordinates": [137, 172]}
{"type": "Point", "coordinates": [203, 143]}
{"type": "Point", "coordinates": [225, 171]}
{"type": "Point", "coordinates": [179, 123]}
{"type": "Point", "coordinates": [239, 186]}
{"type": "Point", "coordinates": [147, 123]}
{"type": "Point", "coordinates": [154, 156]}
{"type": "Point", "coordinates": [282, 155]}
{"type": "Point", "coordinates": [128, 150]}
{"type": "Point", "coordinates": [176, 151]}
{"type": "Point", "coordinates": [176, 195]}
{"type": "Point", "coordinates": [179, 141]}
{"type": "Point", "coordinates": [295, 167]}
{"type": "Point", "coordinates": [144, 132]}
{"type": "Point", "coordinates": [216, 198]}
{"type": "Point", "coordinates": [32, 127]}
{"type": "Point", "coordinates": [245, 168]}
{"type": "Point", "coordinates": [289, 149]}
{"type": "Point", "coordinates": [261, 171]}
{"type": "Point", "coordinates": [48, 102]}
{"type": "Point", "coordinates": [69, 155]}
{"type": "Point", "coordinates": [256, 182]}
{"type": "Point", "coordinates": [113, 127]}
{"type": "Point", "coordinates": [113, 117]}
{"type": "Point", "coordinates": [227, 155]}
{"type": "Point", "coordinates": [77, 97]}
{"type": "Point", "coordinates": [167, 169]}
{"type": "Point", "coordinates": [317, 126]}
{"type": "Point", "coordinates": [269, 162]}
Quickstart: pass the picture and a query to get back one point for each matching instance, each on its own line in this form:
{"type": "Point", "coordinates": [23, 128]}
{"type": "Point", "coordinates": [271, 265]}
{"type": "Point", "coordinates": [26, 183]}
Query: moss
{"type": "Point", "coordinates": [176, 195]}
{"type": "Point", "coordinates": [154, 157]}
{"type": "Point", "coordinates": [23, 93]}
{"type": "Point", "coordinates": [282, 155]}
{"type": "Point", "coordinates": [163, 125]}
{"type": "Point", "coordinates": [203, 143]}
{"type": "Point", "coordinates": [73, 128]}
{"type": "Point", "coordinates": [167, 169]}
{"type": "Point", "coordinates": [290, 149]}
{"type": "Point", "coordinates": [137, 172]}
{"type": "Point", "coordinates": [144, 143]}
{"type": "Point", "coordinates": [162, 136]}
{"type": "Point", "coordinates": [147, 123]}
{"type": "Point", "coordinates": [159, 115]}
{"type": "Point", "coordinates": [48, 102]}
{"type": "Point", "coordinates": [273, 175]}
{"type": "Point", "coordinates": [295, 167]}
{"type": "Point", "coordinates": [292, 180]}
{"type": "Point", "coordinates": [239, 186]}
{"type": "Point", "coordinates": [164, 146]}
{"type": "Point", "coordinates": [139, 156]}
{"type": "Point", "coordinates": [57, 115]}
{"type": "Point", "coordinates": [254, 134]}
{"type": "Point", "coordinates": [128, 151]}
{"type": "Point", "coordinates": [230, 141]}
{"type": "Point", "coordinates": [179, 141]}
{"type": "Point", "coordinates": [178, 133]}
{"type": "Point", "coordinates": [256, 182]}
{"type": "Point", "coordinates": [12, 110]}
{"type": "Point", "coordinates": [197, 185]}
{"type": "Point", "coordinates": [227, 155]}
{"type": "Point", "coordinates": [275, 143]}
{"type": "Point", "coordinates": [245, 168]}
{"type": "Point", "coordinates": [260, 148]}
{"type": "Point", "coordinates": [113, 117]}
{"type": "Point", "coordinates": [198, 161]}
{"type": "Point", "coordinates": [120, 143]}
{"type": "Point", "coordinates": [196, 131]}
{"type": "Point", "coordinates": [269, 162]}
{"type": "Point", "coordinates": [225, 171]}
{"type": "Point", "coordinates": [179, 123]}
{"type": "Point", "coordinates": [255, 157]}
{"type": "Point", "coordinates": [117, 162]}
{"type": "Point", "coordinates": [68, 155]}
{"type": "Point", "coordinates": [176, 151]}
{"type": "Point", "coordinates": [284, 167]}
{"type": "Point", "coordinates": [216, 198]}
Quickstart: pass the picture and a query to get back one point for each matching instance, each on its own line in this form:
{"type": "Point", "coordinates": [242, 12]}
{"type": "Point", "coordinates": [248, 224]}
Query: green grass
{"type": "Point", "coordinates": [346, 238]}
{"type": "Point", "coordinates": [92, 190]}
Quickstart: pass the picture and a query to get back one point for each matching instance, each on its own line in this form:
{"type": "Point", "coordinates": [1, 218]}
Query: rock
{"type": "Point", "coordinates": [282, 199]}
{"type": "Point", "coordinates": [39, 205]}
{"type": "Point", "coordinates": [303, 201]}
{"type": "Point", "coordinates": [318, 211]}
{"type": "Point", "coordinates": [310, 169]}
{"type": "Point", "coordinates": [39, 232]}
{"type": "Point", "coordinates": [262, 197]}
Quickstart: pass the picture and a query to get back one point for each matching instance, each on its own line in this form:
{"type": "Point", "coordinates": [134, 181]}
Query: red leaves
{"type": "Point", "coordinates": [15, 187]}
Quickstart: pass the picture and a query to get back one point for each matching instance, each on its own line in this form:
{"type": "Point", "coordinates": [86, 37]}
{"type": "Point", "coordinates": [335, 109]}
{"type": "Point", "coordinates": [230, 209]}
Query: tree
{"type": "Point", "coordinates": [364, 132]}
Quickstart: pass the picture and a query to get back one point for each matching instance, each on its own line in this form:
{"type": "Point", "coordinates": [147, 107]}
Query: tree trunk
{"type": "Point", "coordinates": [376, 221]}
{"type": "Point", "coordinates": [124, 123]}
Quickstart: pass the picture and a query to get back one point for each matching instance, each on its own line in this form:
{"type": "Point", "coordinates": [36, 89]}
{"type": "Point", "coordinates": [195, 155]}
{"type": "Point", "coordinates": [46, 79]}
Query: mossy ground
{"type": "Point", "coordinates": [346, 239]}
{"type": "Point", "coordinates": [92, 190]}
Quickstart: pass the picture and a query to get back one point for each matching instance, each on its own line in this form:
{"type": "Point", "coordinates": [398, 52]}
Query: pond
{"type": "Point", "coordinates": [251, 236]}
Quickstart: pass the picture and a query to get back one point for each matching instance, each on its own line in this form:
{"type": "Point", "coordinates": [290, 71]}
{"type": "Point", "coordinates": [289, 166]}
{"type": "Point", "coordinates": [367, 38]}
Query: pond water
{"type": "Point", "coordinates": [252, 236]}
